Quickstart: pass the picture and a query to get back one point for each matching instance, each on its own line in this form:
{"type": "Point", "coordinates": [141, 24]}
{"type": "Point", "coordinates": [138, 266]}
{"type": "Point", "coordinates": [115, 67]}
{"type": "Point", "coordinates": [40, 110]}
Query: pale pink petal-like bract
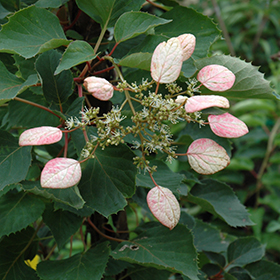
{"type": "Point", "coordinates": [164, 206]}
{"type": "Point", "coordinates": [207, 157]}
{"type": "Point", "coordinates": [167, 61]}
{"type": "Point", "coordinates": [216, 77]}
{"type": "Point", "coordinates": [188, 45]}
{"type": "Point", "coordinates": [43, 135]}
{"type": "Point", "coordinates": [100, 88]}
{"type": "Point", "coordinates": [61, 173]}
{"type": "Point", "coordinates": [199, 102]}
{"type": "Point", "coordinates": [226, 125]}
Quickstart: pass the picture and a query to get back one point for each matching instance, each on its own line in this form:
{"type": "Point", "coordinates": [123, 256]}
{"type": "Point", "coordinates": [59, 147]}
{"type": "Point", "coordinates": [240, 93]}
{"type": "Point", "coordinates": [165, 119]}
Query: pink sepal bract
{"type": "Point", "coordinates": [188, 45]}
{"type": "Point", "coordinates": [216, 77]}
{"type": "Point", "coordinates": [228, 126]}
{"type": "Point", "coordinates": [164, 206]}
{"type": "Point", "coordinates": [199, 102]}
{"type": "Point", "coordinates": [61, 173]}
{"type": "Point", "coordinates": [100, 88]}
{"type": "Point", "coordinates": [207, 157]}
{"type": "Point", "coordinates": [167, 61]}
{"type": "Point", "coordinates": [43, 135]}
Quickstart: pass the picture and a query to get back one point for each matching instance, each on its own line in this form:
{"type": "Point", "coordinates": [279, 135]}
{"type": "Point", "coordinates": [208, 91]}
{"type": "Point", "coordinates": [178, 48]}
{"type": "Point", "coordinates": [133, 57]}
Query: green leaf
{"type": "Point", "coordinates": [88, 265]}
{"type": "Point", "coordinates": [249, 82]}
{"type": "Point", "coordinates": [208, 238]}
{"type": "Point", "coordinates": [50, 3]}
{"type": "Point", "coordinates": [26, 67]}
{"type": "Point", "coordinates": [137, 60]}
{"type": "Point", "coordinates": [132, 24]}
{"type": "Point", "coordinates": [163, 177]}
{"type": "Point", "coordinates": [161, 248]}
{"type": "Point", "coordinates": [62, 224]}
{"type": "Point", "coordinates": [108, 10]}
{"type": "Point", "coordinates": [69, 196]}
{"type": "Point", "coordinates": [245, 250]}
{"type": "Point", "coordinates": [108, 179]}
{"type": "Point", "coordinates": [239, 273]}
{"type": "Point", "coordinates": [31, 31]}
{"type": "Point", "coordinates": [11, 85]}
{"type": "Point", "coordinates": [14, 160]}
{"type": "Point", "coordinates": [57, 88]}
{"type": "Point", "coordinates": [76, 53]}
{"type": "Point", "coordinates": [12, 256]}
{"type": "Point", "coordinates": [219, 199]}
{"type": "Point", "coordinates": [21, 208]}
{"type": "Point", "coordinates": [186, 20]}
{"type": "Point", "coordinates": [147, 273]}
{"type": "Point", "coordinates": [12, 5]}
{"type": "Point", "coordinates": [264, 270]}
{"type": "Point", "coordinates": [25, 115]}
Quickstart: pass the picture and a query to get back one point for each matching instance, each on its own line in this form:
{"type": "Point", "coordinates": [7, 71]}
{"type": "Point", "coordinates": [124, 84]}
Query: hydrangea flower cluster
{"type": "Point", "coordinates": [150, 124]}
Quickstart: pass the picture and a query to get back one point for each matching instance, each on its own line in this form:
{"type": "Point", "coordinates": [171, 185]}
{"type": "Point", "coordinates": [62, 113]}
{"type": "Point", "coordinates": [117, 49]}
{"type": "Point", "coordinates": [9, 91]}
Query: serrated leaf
{"type": "Point", "coordinates": [108, 179]}
{"type": "Point", "coordinates": [245, 250]}
{"type": "Point", "coordinates": [62, 224]}
{"type": "Point", "coordinates": [70, 197]}
{"type": "Point", "coordinates": [163, 176]}
{"type": "Point", "coordinates": [137, 60]}
{"type": "Point", "coordinates": [216, 77]}
{"type": "Point", "coordinates": [132, 24]}
{"type": "Point", "coordinates": [12, 264]}
{"type": "Point", "coordinates": [164, 206]}
{"type": "Point", "coordinates": [76, 53]}
{"type": "Point", "coordinates": [50, 3]}
{"type": "Point", "coordinates": [31, 31]}
{"type": "Point", "coordinates": [199, 102]}
{"type": "Point", "coordinates": [151, 249]}
{"type": "Point", "coordinates": [167, 61]}
{"type": "Point", "coordinates": [219, 199]}
{"type": "Point", "coordinates": [21, 208]}
{"type": "Point", "coordinates": [60, 173]}
{"type": "Point", "coordinates": [80, 265]}
{"type": "Point", "coordinates": [147, 273]}
{"type": "Point", "coordinates": [57, 88]}
{"type": "Point", "coordinates": [249, 82]}
{"type": "Point", "coordinates": [207, 157]}
{"type": "Point", "coordinates": [264, 270]}
{"type": "Point", "coordinates": [11, 153]}
{"type": "Point", "coordinates": [108, 11]}
{"type": "Point", "coordinates": [11, 85]}
{"type": "Point", "coordinates": [226, 125]}
{"type": "Point", "coordinates": [43, 135]}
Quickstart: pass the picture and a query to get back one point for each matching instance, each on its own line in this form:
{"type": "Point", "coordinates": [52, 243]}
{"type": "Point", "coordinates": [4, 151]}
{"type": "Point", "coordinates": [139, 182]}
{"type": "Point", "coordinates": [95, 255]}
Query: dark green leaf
{"type": "Point", "coordinates": [57, 88]}
{"type": "Point", "coordinates": [31, 31]}
{"type": "Point", "coordinates": [208, 238]}
{"type": "Point", "coordinates": [151, 249]}
{"type": "Point", "coordinates": [249, 82]}
{"type": "Point", "coordinates": [76, 53]}
{"type": "Point", "coordinates": [137, 60]}
{"type": "Point", "coordinates": [88, 265]}
{"type": "Point", "coordinates": [50, 3]}
{"type": "Point", "coordinates": [147, 273]}
{"type": "Point", "coordinates": [108, 179]}
{"type": "Point", "coordinates": [163, 177]}
{"type": "Point", "coordinates": [264, 270]}
{"type": "Point", "coordinates": [26, 67]}
{"type": "Point", "coordinates": [239, 273]}
{"type": "Point", "coordinates": [69, 196]}
{"type": "Point", "coordinates": [108, 10]}
{"type": "Point", "coordinates": [28, 116]}
{"type": "Point", "coordinates": [12, 256]}
{"type": "Point", "coordinates": [219, 199]}
{"type": "Point", "coordinates": [245, 250]}
{"type": "Point", "coordinates": [132, 24]}
{"type": "Point", "coordinates": [11, 85]}
{"type": "Point", "coordinates": [63, 224]}
{"type": "Point", "coordinates": [14, 160]}
{"type": "Point", "coordinates": [21, 208]}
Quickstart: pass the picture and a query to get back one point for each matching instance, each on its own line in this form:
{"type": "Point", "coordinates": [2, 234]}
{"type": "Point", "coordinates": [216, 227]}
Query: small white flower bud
{"type": "Point", "coordinates": [181, 99]}
{"type": "Point", "coordinates": [99, 88]}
